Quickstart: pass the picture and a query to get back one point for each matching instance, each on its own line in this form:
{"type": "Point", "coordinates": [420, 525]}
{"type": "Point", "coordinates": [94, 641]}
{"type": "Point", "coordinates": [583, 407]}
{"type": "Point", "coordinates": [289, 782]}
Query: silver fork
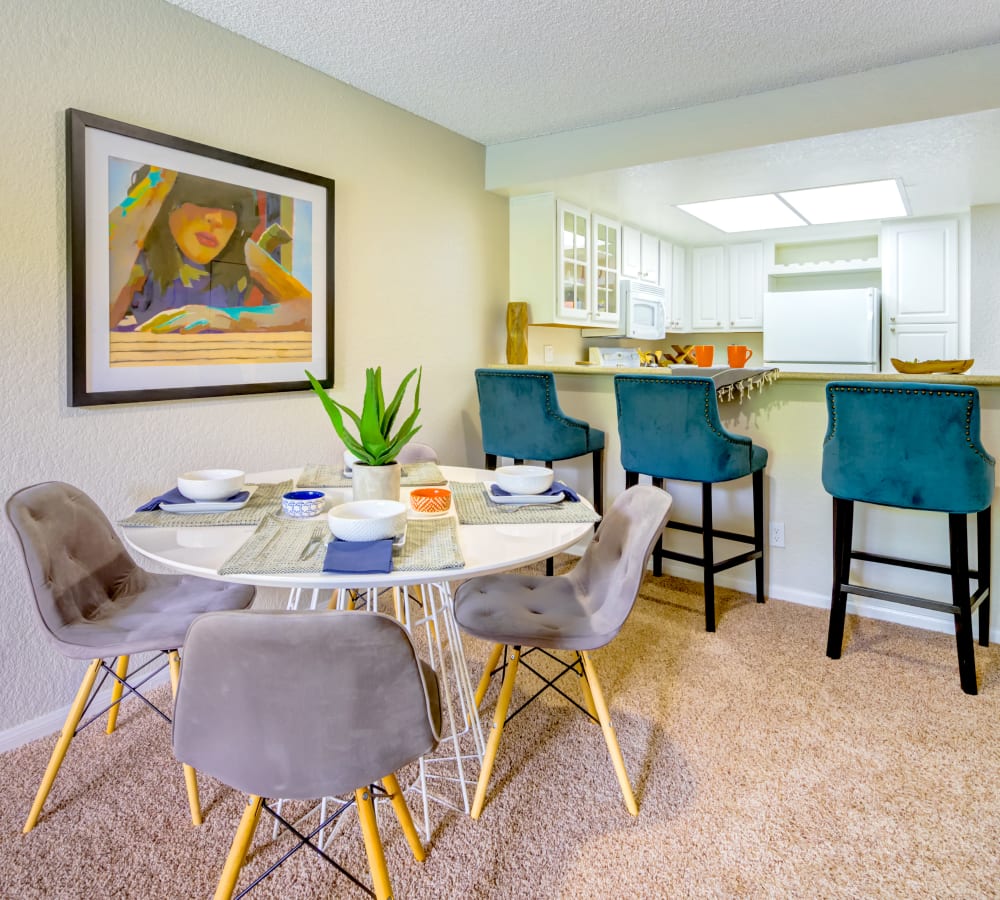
{"type": "Point", "coordinates": [315, 542]}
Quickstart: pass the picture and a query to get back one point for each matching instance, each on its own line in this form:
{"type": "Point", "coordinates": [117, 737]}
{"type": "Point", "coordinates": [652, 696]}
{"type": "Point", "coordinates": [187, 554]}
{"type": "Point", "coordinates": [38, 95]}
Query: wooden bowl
{"type": "Point", "coordinates": [933, 366]}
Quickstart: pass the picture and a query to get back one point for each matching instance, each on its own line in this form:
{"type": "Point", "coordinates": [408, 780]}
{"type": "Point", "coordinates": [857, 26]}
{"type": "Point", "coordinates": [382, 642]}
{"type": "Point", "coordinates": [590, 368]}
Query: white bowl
{"type": "Point", "coordinates": [367, 520]}
{"type": "Point", "coordinates": [349, 460]}
{"type": "Point", "coordinates": [210, 484]}
{"type": "Point", "coordinates": [524, 479]}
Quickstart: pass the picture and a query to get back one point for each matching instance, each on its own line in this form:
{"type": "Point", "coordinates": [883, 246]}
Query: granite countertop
{"type": "Point", "coordinates": [968, 378]}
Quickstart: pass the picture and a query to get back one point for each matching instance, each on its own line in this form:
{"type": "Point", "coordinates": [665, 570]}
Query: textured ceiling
{"type": "Point", "coordinates": [503, 70]}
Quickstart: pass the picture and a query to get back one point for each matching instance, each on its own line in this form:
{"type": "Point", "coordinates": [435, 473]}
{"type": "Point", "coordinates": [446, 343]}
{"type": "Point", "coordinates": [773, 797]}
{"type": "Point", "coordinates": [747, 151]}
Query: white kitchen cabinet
{"type": "Point", "coordinates": [746, 286]}
{"type": "Point", "coordinates": [709, 289]}
{"type": "Point", "coordinates": [920, 272]}
{"type": "Point", "coordinates": [640, 255]}
{"type": "Point", "coordinates": [919, 341]}
{"type": "Point", "coordinates": [727, 287]}
{"type": "Point", "coordinates": [672, 276]}
{"type": "Point", "coordinates": [552, 263]}
{"type": "Point", "coordinates": [920, 290]}
{"type": "Point", "coordinates": [606, 235]}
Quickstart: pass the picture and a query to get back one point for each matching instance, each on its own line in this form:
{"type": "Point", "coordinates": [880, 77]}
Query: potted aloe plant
{"type": "Point", "coordinates": [376, 446]}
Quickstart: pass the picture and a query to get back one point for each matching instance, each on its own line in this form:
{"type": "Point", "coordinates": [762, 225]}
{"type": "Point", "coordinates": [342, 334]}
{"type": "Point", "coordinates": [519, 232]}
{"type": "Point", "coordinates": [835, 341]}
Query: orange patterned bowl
{"type": "Point", "coordinates": [430, 500]}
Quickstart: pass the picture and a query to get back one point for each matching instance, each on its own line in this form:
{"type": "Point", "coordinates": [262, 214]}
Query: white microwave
{"type": "Point", "coordinates": [643, 311]}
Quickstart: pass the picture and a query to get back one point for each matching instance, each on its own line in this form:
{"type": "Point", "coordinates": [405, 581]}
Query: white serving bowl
{"type": "Point", "coordinates": [210, 484]}
{"type": "Point", "coordinates": [524, 479]}
{"type": "Point", "coordinates": [367, 520]}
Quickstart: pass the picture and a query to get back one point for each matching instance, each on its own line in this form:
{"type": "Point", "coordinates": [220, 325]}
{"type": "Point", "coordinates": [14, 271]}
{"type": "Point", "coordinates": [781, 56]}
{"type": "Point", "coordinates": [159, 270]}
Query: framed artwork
{"type": "Point", "coordinates": [193, 271]}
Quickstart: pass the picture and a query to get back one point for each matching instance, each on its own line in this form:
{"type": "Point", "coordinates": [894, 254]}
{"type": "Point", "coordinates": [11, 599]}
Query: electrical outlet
{"type": "Point", "coordinates": [777, 534]}
{"type": "Point", "coordinates": [549, 352]}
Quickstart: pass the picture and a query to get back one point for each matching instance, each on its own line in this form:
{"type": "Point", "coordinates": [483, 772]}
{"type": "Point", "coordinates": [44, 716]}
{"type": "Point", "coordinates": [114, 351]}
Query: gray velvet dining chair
{"type": "Point", "coordinates": [95, 603]}
{"type": "Point", "coordinates": [578, 612]}
{"type": "Point", "coordinates": [363, 705]}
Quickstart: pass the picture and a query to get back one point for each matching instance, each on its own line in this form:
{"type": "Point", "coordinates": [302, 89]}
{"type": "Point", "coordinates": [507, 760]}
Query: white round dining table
{"type": "Point", "coordinates": [487, 549]}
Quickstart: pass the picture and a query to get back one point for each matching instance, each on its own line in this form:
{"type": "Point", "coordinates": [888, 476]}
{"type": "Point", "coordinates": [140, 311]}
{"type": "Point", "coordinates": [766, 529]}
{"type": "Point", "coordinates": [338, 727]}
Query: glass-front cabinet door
{"type": "Point", "coordinates": [607, 251]}
{"type": "Point", "coordinates": [574, 262]}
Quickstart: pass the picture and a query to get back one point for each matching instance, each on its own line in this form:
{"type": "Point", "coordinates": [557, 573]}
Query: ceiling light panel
{"type": "Point", "coordinates": [744, 213]}
{"type": "Point", "coordinates": [848, 202]}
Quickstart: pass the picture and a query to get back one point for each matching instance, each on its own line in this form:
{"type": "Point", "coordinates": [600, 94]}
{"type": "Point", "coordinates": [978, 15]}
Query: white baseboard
{"type": "Point", "coordinates": [869, 608]}
{"type": "Point", "coordinates": [52, 722]}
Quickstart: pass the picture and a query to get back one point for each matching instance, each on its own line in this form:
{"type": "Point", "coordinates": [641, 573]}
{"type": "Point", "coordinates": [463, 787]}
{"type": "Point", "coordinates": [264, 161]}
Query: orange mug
{"type": "Point", "coordinates": [703, 354]}
{"type": "Point", "coordinates": [739, 354]}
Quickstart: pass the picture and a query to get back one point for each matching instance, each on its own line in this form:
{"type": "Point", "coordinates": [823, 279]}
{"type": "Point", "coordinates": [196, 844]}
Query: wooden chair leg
{"type": "Point", "coordinates": [588, 696]}
{"type": "Point", "coordinates": [609, 734]}
{"type": "Point", "coordinates": [190, 776]}
{"type": "Point", "coordinates": [373, 844]}
{"type": "Point", "coordinates": [484, 682]}
{"type": "Point", "coordinates": [759, 531]}
{"type": "Point", "coordinates": [708, 554]}
{"type": "Point", "coordinates": [499, 717]}
{"type": "Point", "coordinates": [959, 539]}
{"type": "Point", "coordinates": [62, 745]}
{"type": "Point", "coordinates": [843, 537]}
{"type": "Point", "coordinates": [984, 530]}
{"type": "Point", "coordinates": [403, 816]}
{"type": "Point", "coordinates": [121, 670]}
{"type": "Point", "coordinates": [238, 849]}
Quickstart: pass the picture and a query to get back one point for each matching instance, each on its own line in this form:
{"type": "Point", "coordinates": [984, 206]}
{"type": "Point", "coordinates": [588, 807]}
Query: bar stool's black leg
{"type": "Point", "coordinates": [491, 461]}
{"type": "Point", "coordinates": [843, 535]}
{"type": "Point", "coordinates": [658, 550]}
{"type": "Point", "coordinates": [708, 555]}
{"type": "Point", "coordinates": [598, 463]}
{"type": "Point", "coordinates": [758, 530]}
{"type": "Point", "coordinates": [518, 462]}
{"type": "Point", "coordinates": [983, 541]}
{"type": "Point", "coordinates": [631, 479]}
{"type": "Point", "coordinates": [959, 539]}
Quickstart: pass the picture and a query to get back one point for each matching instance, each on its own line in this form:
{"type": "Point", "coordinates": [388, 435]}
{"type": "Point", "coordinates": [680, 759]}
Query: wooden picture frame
{"type": "Point", "coordinates": [193, 271]}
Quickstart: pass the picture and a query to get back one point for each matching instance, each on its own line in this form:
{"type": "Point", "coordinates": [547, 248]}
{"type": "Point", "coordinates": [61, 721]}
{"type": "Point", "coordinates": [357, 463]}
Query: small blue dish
{"type": "Point", "coordinates": [303, 504]}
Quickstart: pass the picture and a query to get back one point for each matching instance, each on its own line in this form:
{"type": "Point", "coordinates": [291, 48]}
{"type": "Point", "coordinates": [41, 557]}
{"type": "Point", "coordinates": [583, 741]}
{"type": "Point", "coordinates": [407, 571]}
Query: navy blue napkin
{"type": "Point", "coordinates": [557, 487]}
{"type": "Point", "coordinates": [359, 557]}
{"type": "Point", "coordinates": [175, 496]}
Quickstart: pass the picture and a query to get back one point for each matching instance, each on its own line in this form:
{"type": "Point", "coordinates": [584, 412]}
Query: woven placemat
{"type": "Point", "coordinates": [474, 508]}
{"type": "Point", "coordinates": [276, 548]}
{"type": "Point", "coordinates": [264, 500]}
{"type": "Point", "coordinates": [413, 474]}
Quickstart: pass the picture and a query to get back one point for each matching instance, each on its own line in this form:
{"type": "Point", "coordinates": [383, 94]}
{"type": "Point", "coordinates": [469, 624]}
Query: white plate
{"type": "Point", "coordinates": [208, 506]}
{"type": "Point", "coordinates": [525, 498]}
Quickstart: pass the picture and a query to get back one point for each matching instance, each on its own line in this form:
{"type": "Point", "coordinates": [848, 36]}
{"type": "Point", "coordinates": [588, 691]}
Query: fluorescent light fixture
{"type": "Point", "coordinates": [848, 202]}
{"type": "Point", "coordinates": [744, 213]}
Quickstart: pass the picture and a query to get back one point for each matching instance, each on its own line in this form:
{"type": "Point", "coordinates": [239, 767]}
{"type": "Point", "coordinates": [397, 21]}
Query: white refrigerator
{"type": "Point", "coordinates": [822, 331]}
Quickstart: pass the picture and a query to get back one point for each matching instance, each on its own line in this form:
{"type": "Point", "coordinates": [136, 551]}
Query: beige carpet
{"type": "Point", "coordinates": [762, 769]}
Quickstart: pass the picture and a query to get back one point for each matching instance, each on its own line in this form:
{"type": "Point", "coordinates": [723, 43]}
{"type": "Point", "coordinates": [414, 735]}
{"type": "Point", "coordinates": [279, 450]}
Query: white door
{"type": "Point", "coordinates": [650, 254]}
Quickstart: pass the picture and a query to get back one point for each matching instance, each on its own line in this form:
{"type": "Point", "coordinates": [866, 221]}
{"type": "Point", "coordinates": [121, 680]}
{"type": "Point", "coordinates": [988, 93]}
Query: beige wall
{"type": "Point", "coordinates": [421, 267]}
{"type": "Point", "coordinates": [985, 287]}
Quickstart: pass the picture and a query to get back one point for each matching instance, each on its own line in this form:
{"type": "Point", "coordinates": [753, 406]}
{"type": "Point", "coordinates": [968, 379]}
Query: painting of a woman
{"type": "Point", "coordinates": [191, 255]}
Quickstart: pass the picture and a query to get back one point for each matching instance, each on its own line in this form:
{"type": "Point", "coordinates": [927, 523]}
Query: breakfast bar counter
{"type": "Point", "coordinates": [788, 417]}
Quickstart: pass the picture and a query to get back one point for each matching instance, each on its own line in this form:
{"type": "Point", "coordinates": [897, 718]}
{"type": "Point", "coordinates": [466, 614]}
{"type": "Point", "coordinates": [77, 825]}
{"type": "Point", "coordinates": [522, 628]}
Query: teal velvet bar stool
{"type": "Point", "coordinates": [911, 446]}
{"type": "Point", "coordinates": [521, 419]}
{"type": "Point", "coordinates": [670, 429]}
